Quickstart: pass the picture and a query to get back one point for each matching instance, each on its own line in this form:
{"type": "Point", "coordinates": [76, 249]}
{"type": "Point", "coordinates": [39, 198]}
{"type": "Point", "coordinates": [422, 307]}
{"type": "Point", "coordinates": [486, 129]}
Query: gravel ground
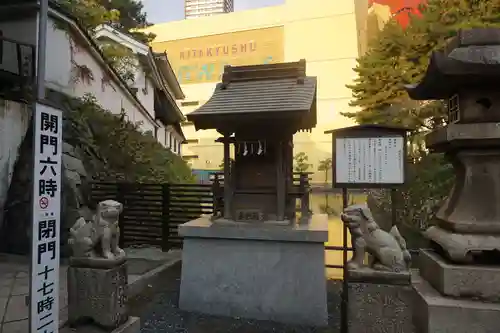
{"type": "Point", "coordinates": [157, 308]}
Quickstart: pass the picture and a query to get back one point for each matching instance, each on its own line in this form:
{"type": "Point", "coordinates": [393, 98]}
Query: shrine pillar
{"type": "Point", "coordinates": [280, 182]}
{"type": "Point", "coordinates": [227, 179]}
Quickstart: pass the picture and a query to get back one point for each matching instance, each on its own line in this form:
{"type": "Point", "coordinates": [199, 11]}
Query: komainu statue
{"type": "Point", "coordinates": [96, 242]}
{"type": "Point", "coordinates": [388, 249]}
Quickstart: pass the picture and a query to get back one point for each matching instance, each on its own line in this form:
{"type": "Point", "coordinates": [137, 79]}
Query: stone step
{"type": "Point", "coordinates": [468, 281]}
{"type": "Point", "coordinates": [435, 313]}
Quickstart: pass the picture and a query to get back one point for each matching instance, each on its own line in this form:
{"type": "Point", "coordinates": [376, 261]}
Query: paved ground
{"type": "Point", "coordinates": [159, 312]}
{"type": "Point", "coordinates": [14, 284]}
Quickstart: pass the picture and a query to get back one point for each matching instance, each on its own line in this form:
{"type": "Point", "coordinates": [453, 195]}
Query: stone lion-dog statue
{"type": "Point", "coordinates": [98, 239]}
{"type": "Point", "coordinates": [388, 249]}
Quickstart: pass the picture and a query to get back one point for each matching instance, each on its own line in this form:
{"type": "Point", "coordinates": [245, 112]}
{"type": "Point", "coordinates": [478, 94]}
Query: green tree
{"type": "Point", "coordinates": [301, 162]}
{"type": "Point", "coordinates": [90, 13]}
{"type": "Point", "coordinates": [132, 17]}
{"type": "Point", "coordinates": [123, 60]}
{"type": "Point", "coordinates": [118, 149]}
{"type": "Point", "coordinates": [398, 57]}
{"type": "Point", "coordinates": [325, 166]}
{"type": "Point", "coordinates": [124, 15]}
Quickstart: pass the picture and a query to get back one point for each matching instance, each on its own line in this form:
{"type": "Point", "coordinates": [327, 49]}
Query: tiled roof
{"type": "Point", "coordinates": [276, 95]}
{"type": "Point", "coordinates": [261, 88]}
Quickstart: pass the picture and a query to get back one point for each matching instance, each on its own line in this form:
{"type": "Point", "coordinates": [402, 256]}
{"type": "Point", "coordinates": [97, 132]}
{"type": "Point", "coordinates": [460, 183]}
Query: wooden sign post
{"type": "Point", "coordinates": [366, 156]}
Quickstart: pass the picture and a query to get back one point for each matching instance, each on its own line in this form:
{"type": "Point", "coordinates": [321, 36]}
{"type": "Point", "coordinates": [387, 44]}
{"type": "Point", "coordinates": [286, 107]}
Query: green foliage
{"type": "Point", "coordinates": [429, 181]}
{"type": "Point", "coordinates": [90, 13]}
{"type": "Point", "coordinates": [131, 17]}
{"type": "Point", "coordinates": [400, 56]}
{"type": "Point", "coordinates": [124, 15]}
{"type": "Point", "coordinates": [118, 150]}
{"type": "Point", "coordinates": [301, 162]}
{"type": "Point", "coordinates": [123, 60]}
{"type": "Point", "coordinates": [325, 166]}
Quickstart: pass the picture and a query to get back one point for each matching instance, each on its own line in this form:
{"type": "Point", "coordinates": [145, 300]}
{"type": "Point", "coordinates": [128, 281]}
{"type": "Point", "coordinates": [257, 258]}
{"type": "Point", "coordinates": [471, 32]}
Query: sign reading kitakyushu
{"type": "Point", "coordinates": [46, 220]}
{"type": "Point", "coordinates": [378, 160]}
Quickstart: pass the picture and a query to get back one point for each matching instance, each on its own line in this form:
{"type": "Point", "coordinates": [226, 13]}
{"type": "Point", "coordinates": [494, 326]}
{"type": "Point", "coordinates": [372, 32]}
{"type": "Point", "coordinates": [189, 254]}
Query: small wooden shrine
{"type": "Point", "coordinates": [257, 110]}
{"type": "Point", "coordinates": [234, 263]}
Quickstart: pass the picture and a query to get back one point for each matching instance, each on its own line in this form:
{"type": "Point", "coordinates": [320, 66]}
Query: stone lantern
{"type": "Point", "coordinates": [461, 278]}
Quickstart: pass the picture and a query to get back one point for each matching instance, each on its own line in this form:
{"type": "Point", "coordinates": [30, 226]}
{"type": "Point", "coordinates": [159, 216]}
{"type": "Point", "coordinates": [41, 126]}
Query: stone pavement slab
{"type": "Point", "coordinates": [14, 284]}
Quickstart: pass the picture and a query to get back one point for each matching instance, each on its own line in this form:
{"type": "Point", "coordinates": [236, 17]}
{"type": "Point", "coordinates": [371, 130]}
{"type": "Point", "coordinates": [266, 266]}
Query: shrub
{"type": "Point", "coordinates": [117, 149]}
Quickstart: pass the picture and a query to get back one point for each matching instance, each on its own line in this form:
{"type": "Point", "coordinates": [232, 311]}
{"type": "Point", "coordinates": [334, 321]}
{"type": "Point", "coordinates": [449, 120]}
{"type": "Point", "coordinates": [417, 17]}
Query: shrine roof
{"type": "Point", "coordinates": [367, 129]}
{"type": "Point", "coordinates": [471, 59]}
{"type": "Point", "coordinates": [260, 90]}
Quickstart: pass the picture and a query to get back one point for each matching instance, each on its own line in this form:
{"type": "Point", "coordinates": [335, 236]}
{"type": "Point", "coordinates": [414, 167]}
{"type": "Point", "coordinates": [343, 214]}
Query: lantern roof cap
{"type": "Point", "coordinates": [469, 60]}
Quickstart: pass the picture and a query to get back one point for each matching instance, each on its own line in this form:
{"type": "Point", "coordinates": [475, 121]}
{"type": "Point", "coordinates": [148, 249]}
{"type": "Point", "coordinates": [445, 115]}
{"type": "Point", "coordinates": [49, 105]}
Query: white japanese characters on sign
{"type": "Point", "coordinates": [46, 220]}
{"type": "Point", "coordinates": [378, 160]}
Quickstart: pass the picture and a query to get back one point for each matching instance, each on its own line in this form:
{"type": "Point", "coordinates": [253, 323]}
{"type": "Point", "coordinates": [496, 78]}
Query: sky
{"type": "Point", "coordinates": [160, 11]}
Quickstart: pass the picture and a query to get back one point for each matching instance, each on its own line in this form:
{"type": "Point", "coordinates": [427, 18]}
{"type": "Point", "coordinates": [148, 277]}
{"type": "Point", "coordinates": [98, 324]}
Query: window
{"type": "Point", "coordinates": [192, 141]}
{"type": "Point", "coordinates": [190, 103]}
{"type": "Point", "coordinates": [190, 157]}
{"type": "Point", "coordinates": [171, 140]}
{"type": "Point", "coordinates": [165, 139]}
{"type": "Point", "coordinates": [453, 109]}
{"type": "Point", "coordinates": [179, 147]}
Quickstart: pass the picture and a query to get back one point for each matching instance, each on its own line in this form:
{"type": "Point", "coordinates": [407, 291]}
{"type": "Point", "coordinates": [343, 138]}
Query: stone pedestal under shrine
{"type": "Point", "coordinates": [266, 272]}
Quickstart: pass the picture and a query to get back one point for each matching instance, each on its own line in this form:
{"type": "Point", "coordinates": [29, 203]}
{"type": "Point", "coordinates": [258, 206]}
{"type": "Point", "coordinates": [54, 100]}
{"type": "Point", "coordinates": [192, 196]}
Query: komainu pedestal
{"type": "Point", "coordinates": [99, 295]}
{"type": "Point", "coordinates": [379, 294]}
{"type": "Point", "coordinates": [97, 275]}
{"type": "Point", "coordinates": [380, 302]}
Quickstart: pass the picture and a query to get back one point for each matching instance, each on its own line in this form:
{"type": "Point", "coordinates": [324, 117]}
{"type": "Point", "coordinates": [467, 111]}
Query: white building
{"type": "Point", "coordinates": [200, 8]}
{"type": "Point", "coordinates": [155, 85]}
{"type": "Point", "coordinates": [75, 66]}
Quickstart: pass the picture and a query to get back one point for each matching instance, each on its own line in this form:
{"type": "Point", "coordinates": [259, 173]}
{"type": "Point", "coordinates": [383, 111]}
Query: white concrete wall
{"type": "Point", "coordinates": [62, 56]}
{"type": "Point", "coordinates": [145, 90]}
{"type": "Point", "coordinates": [14, 121]}
{"type": "Point", "coordinates": [60, 75]}
{"type": "Point", "coordinates": [172, 140]}
{"type": "Point", "coordinates": [63, 53]}
{"type": "Point", "coordinates": [166, 135]}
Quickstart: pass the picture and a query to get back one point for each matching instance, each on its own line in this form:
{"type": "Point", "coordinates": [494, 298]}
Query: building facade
{"type": "Point", "coordinates": [75, 67]}
{"type": "Point", "coordinates": [323, 32]}
{"type": "Point", "coordinates": [330, 35]}
{"type": "Point", "coordinates": [201, 8]}
{"type": "Point", "coordinates": [155, 85]}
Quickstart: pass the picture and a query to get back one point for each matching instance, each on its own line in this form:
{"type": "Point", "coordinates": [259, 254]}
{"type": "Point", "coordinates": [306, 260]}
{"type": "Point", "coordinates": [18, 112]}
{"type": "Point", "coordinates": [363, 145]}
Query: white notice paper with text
{"type": "Point", "coordinates": [378, 160]}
